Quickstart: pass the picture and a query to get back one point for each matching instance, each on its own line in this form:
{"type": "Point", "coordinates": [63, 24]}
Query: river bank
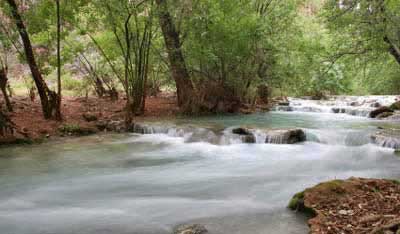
{"type": "Point", "coordinates": [356, 205]}
{"type": "Point", "coordinates": [85, 116]}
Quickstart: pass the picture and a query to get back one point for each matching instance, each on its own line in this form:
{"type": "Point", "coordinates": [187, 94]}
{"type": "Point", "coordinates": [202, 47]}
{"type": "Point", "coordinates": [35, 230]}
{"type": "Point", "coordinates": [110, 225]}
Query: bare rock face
{"type": "Point", "coordinates": [190, 229]}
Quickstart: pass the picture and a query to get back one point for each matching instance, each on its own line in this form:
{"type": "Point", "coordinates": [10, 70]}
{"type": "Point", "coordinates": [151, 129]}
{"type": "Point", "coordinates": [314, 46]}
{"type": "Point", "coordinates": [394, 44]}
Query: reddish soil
{"type": "Point", "coordinates": [356, 206]}
{"type": "Point", "coordinates": [28, 118]}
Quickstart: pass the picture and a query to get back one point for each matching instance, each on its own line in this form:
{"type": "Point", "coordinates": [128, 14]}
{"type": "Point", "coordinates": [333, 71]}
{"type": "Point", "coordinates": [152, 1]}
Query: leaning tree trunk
{"type": "Point", "coordinates": [184, 85]}
{"type": "Point", "coordinates": [3, 87]}
{"type": "Point", "coordinates": [48, 98]}
{"type": "Point", "coordinates": [393, 49]}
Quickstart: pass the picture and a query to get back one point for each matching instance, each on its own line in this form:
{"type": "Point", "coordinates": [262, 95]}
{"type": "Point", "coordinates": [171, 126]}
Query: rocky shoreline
{"type": "Point", "coordinates": [353, 206]}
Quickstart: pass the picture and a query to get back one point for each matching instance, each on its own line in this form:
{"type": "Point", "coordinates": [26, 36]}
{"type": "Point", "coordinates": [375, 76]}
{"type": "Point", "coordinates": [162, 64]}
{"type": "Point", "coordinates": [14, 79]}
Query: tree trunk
{"type": "Point", "coordinates": [393, 49]}
{"type": "Point", "coordinates": [3, 87]}
{"type": "Point", "coordinates": [184, 85]}
{"type": "Point", "coordinates": [48, 98]}
{"type": "Point", "coordinates": [58, 115]}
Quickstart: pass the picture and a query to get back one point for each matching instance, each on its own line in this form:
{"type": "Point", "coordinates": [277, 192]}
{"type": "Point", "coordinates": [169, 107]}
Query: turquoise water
{"type": "Point", "coordinates": [145, 184]}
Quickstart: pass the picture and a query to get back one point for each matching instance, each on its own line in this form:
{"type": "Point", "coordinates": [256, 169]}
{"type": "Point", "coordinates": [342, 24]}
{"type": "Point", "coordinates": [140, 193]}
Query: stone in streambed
{"type": "Point", "coordinates": [284, 104]}
{"type": "Point", "coordinates": [245, 134]}
{"type": "Point", "coordinates": [282, 136]}
{"type": "Point", "coordinates": [337, 110]}
{"type": "Point", "coordinates": [378, 111]}
{"type": "Point", "coordinates": [190, 229]}
{"type": "Point", "coordinates": [290, 136]}
{"type": "Point", "coordinates": [384, 115]}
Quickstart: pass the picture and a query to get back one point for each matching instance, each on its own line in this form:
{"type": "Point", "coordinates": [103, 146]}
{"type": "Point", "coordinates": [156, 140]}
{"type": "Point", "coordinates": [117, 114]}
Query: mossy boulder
{"type": "Point", "coordinates": [395, 106]}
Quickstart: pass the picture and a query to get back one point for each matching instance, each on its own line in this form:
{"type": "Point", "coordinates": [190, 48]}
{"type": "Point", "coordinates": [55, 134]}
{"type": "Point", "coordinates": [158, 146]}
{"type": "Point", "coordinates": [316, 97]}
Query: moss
{"type": "Point", "coordinates": [395, 106]}
{"type": "Point", "coordinates": [297, 204]}
{"type": "Point", "coordinates": [297, 198]}
{"type": "Point", "coordinates": [333, 185]}
{"type": "Point", "coordinates": [395, 181]}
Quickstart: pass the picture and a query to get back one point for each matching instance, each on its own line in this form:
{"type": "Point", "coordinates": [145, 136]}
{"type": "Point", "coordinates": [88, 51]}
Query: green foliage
{"type": "Point", "coordinates": [296, 47]}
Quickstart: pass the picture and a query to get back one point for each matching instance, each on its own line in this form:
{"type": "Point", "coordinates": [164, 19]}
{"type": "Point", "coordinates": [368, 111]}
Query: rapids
{"type": "Point", "coordinates": [184, 171]}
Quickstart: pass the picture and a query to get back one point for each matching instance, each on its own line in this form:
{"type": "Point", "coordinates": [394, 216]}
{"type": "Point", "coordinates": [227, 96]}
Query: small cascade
{"type": "Point", "coordinates": [387, 139]}
{"type": "Point", "coordinates": [350, 105]}
{"type": "Point", "coordinates": [226, 137]}
{"type": "Point", "coordinates": [338, 137]}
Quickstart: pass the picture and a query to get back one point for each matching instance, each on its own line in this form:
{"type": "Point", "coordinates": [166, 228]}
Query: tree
{"type": "Point", "coordinates": [365, 27]}
{"type": "Point", "coordinates": [49, 99]}
{"type": "Point", "coordinates": [184, 87]}
{"type": "Point", "coordinates": [59, 97]}
{"type": "Point", "coordinates": [131, 23]}
{"type": "Point", "coordinates": [5, 50]}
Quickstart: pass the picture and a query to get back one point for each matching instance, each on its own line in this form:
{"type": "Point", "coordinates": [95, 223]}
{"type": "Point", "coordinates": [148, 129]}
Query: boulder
{"type": "Point", "coordinates": [355, 104]}
{"type": "Point", "coordinates": [111, 125]}
{"type": "Point", "coordinates": [116, 126]}
{"type": "Point", "coordinates": [77, 130]}
{"type": "Point", "coordinates": [376, 105]}
{"type": "Point", "coordinates": [384, 115]}
{"type": "Point", "coordinates": [283, 104]}
{"type": "Point", "coordinates": [190, 229]}
{"type": "Point", "coordinates": [283, 108]}
{"type": "Point", "coordinates": [281, 136]}
{"type": "Point", "coordinates": [380, 110]}
{"type": "Point", "coordinates": [338, 110]}
{"type": "Point", "coordinates": [289, 136]}
{"type": "Point", "coordinates": [395, 106]}
{"type": "Point", "coordinates": [241, 131]}
{"type": "Point", "coordinates": [245, 134]}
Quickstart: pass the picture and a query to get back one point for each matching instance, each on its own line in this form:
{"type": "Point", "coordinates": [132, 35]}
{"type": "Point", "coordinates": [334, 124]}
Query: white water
{"type": "Point", "coordinates": [351, 105]}
{"type": "Point", "coordinates": [147, 184]}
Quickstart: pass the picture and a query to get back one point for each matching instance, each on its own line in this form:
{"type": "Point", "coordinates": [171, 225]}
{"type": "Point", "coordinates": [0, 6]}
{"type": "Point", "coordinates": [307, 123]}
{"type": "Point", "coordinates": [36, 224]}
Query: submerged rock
{"type": "Point", "coordinates": [338, 110]}
{"type": "Point", "coordinates": [280, 136]}
{"type": "Point", "coordinates": [378, 111]}
{"type": "Point", "coordinates": [290, 136]}
{"type": "Point", "coordinates": [284, 104]}
{"type": "Point", "coordinates": [388, 138]}
{"type": "Point", "coordinates": [284, 108]}
{"type": "Point", "coordinates": [395, 116]}
{"type": "Point", "coordinates": [190, 229]}
{"type": "Point", "coordinates": [384, 115]}
{"type": "Point", "coordinates": [246, 134]}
